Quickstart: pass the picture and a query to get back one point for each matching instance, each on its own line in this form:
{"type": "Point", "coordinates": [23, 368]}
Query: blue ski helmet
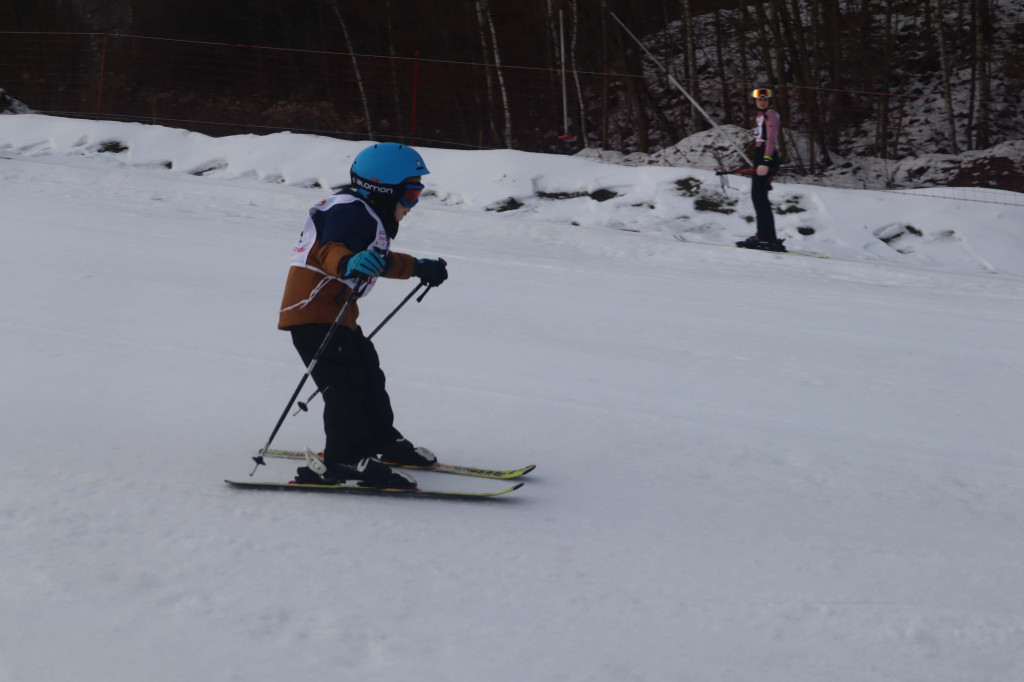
{"type": "Point", "coordinates": [378, 171]}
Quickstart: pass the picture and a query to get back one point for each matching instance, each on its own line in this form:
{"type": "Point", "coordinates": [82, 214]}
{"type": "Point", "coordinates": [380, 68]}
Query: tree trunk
{"type": "Point", "coordinates": [481, 24]}
{"type": "Point", "coordinates": [944, 66]}
{"type": "Point", "coordinates": [355, 68]}
{"type": "Point", "coordinates": [634, 96]}
{"type": "Point", "coordinates": [982, 60]}
{"type": "Point", "coordinates": [742, 30]}
{"type": "Point", "coordinates": [575, 72]}
{"type": "Point", "coordinates": [779, 41]}
{"type": "Point", "coordinates": [396, 90]}
{"type": "Point", "coordinates": [833, 38]}
{"type": "Point", "coordinates": [606, 61]}
{"type": "Point", "coordinates": [881, 146]}
{"type": "Point", "coordinates": [720, 71]}
{"type": "Point", "coordinates": [692, 84]}
{"type": "Point", "coordinates": [763, 27]}
{"type": "Point", "coordinates": [484, 9]}
{"type": "Point", "coordinates": [554, 37]}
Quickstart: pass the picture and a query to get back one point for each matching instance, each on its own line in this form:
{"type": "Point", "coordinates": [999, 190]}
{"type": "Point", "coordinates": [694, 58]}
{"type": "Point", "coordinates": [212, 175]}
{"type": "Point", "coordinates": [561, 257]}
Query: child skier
{"type": "Point", "coordinates": [344, 247]}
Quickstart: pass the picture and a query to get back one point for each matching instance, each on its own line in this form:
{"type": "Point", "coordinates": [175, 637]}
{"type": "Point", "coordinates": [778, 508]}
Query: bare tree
{"type": "Point", "coordinates": [486, 21]}
{"type": "Point", "coordinates": [982, 62]}
{"type": "Point", "coordinates": [574, 5]}
{"type": "Point", "coordinates": [393, 67]}
{"type": "Point", "coordinates": [355, 67]}
{"type": "Point", "coordinates": [690, 75]}
{"type": "Point", "coordinates": [488, 77]}
{"type": "Point", "coordinates": [606, 59]}
{"type": "Point", "coordinates": [554, 39]}
{"type": "Point", "coordinates": [944, 68]}
{"type": "Point", "coordinates": [881, 145]}
{"type": "Point", "coordinates": [742, 29]}
{"type": "Point", "coordinates": [719, 64]}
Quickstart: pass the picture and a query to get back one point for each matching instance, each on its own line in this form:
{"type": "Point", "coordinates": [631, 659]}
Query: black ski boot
{"type": "Point", "coordinates": [401, 452]}
{"type": "Point", "coordinates": [316, 472]}
{"type": "Point", "coordinates": [756, 242]}
{"type": "Point", "coordinates": [306, 476]}
{"type": "Point", "coordinates": [369, 473]}
{"type": "Point", "coordinates": [372, 473]}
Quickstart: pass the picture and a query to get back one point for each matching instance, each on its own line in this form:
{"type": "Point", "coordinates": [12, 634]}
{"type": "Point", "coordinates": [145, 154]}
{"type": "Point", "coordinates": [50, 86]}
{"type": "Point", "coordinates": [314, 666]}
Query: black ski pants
{"type": "Point", "coordinates": [357, 410]}
{"type": "Point", "coordinates": [760, 184]}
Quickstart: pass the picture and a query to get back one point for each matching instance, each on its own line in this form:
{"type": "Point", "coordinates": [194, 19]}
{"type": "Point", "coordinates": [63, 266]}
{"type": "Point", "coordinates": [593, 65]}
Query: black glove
{"type": "Point", "coordinates": [431, 272]}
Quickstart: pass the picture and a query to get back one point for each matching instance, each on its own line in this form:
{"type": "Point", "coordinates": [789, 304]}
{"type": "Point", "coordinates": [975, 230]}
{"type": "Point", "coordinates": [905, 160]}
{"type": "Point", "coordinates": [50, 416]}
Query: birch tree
{"type": "Point", "coordinates": [574, 37]}
{"type": "Point", "coordinates": [487, 31]}
{"type": "Point", "coordinates": [355, 67]}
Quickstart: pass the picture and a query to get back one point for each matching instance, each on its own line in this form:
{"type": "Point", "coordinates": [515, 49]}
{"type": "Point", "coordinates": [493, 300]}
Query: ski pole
{"type": "Point", "coordinates": [789, 169]}
{"type": "Point", "coordinates": [309, 371]}
{"type": "Point", "coordinates": [399, 307]}
{"type": "Point", "coordinates": [304, 404]}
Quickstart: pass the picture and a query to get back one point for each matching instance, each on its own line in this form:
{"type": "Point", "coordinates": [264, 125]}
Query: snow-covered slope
{"type": "Point", "coordinates": [750, 466]}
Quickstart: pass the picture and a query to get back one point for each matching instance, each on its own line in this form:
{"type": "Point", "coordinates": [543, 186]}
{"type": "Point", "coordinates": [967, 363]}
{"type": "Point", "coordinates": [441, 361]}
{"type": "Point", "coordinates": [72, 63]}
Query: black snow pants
{"type": "Point", "coordinates": [760, 184]}
{"type": "Point", "coordinates": [357, 410]}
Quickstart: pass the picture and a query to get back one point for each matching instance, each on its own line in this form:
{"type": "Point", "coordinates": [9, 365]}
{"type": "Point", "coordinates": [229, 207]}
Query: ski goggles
{"type": "Point", "coordinates": [410, 194]}
{"type": "Point", "coordinates": [761, 92]}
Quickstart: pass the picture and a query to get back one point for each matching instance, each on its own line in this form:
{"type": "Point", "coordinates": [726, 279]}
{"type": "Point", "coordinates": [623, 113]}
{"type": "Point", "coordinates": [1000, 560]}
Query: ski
{"type": "Point", "coordinates": [358, 489]}
{"type": "Point", "coordinates": [808, 254]}
{"type": "Point", "coordinates": [458, 470]}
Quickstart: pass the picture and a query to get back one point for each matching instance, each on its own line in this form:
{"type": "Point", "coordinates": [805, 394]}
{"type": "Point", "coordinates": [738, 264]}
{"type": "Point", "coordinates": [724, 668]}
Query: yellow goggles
{"type": "Point", "coordinates": [761, 92]}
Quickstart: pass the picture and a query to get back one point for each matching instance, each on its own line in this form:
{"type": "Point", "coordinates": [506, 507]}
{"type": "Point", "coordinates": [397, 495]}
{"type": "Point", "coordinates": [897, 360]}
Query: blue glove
{"type": "Point", "coordinates": [364, 264]}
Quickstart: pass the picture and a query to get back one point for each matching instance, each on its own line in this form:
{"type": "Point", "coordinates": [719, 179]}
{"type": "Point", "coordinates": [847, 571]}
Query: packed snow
{"type": "Point", "coordinates": [750, 466]}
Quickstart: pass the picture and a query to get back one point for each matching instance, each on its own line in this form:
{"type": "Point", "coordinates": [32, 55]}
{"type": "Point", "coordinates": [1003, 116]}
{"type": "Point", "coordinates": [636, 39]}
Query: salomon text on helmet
{"type": "Point", "coordinates": [378, 171]}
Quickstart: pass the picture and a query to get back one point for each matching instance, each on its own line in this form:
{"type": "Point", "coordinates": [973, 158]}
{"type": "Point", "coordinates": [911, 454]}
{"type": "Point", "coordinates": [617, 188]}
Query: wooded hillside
{"type": "Point", "coordinates": [852, 75]}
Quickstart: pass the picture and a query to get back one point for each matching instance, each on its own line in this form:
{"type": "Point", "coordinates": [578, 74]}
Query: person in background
{"type": "Point", "coordinates": [766, 163]}
{"type": "Point", "coordinates": [345, 245]}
